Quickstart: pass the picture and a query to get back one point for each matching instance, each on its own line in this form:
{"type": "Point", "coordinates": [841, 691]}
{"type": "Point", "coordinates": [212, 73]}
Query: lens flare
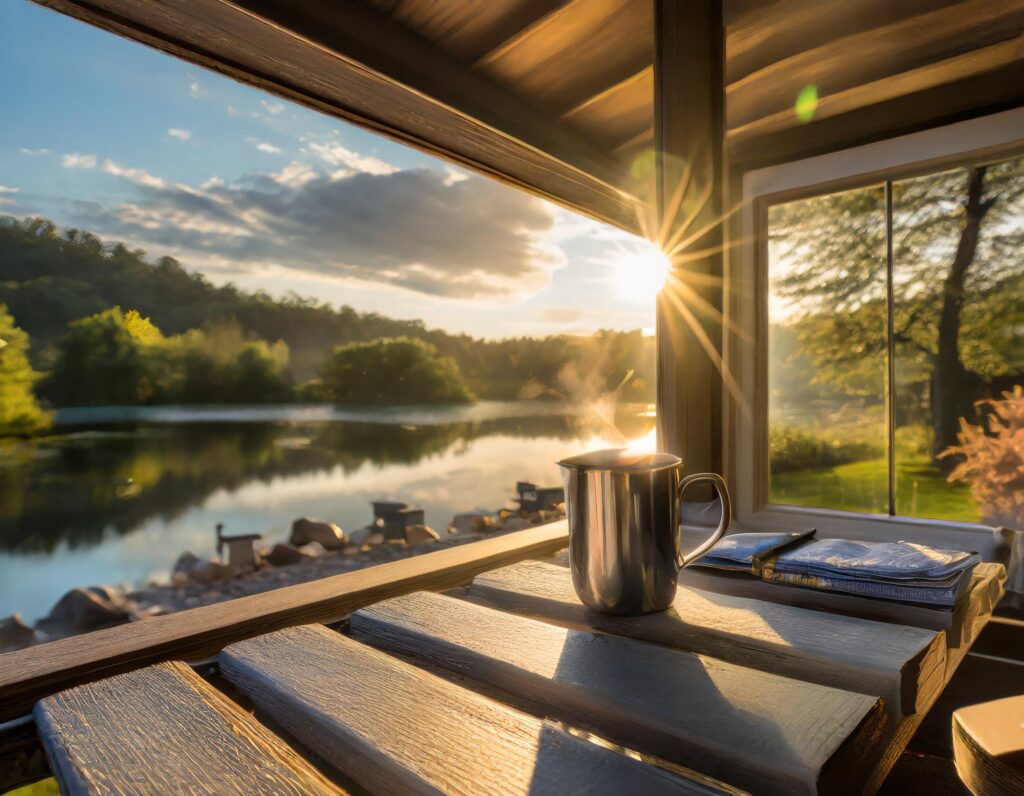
{"type": "Point", "coordinates": [639, 271]}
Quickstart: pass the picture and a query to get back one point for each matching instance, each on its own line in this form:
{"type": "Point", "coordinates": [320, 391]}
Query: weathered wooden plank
{"type": "Point", "coordinates": [394, 728]}
{"type": "Point", "coordinates": [760, 731]}
{"type": "Point", "coordinates": [302, 63]}
{"type": "Point", "coordinates": [31, 674]}
{"type": "Point", "coordinates": [984, 585]}
{"type": "Point", "coordinates": [161, 730]}
{"type": "Point", "coordinates": [903, 664]}
{"type": "Point", "coordinates": [988, 746]}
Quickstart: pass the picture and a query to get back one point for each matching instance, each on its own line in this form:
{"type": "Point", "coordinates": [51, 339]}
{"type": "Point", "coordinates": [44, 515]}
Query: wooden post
{"type": "Point", "coordinates": [689, 86]}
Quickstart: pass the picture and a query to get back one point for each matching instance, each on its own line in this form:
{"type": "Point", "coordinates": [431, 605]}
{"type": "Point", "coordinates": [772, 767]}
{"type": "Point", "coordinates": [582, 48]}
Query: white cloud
{"type": "Point", "coordinates": [232, 111]}
{"type": "Point", "coordinates": [177, 132]}
{"type": "Point", "coordinates": [263, 146]}
{"type": "Point", "coordinates": [272, 107]}
{"type": "Point", "coordinates": [213, 182]}
{"type": "Point", "coordinates": [34, 152]}
{"type": "Point", "coordinates": [195, 90]}
{"type": "Point", "coordinates": [295, 174]}
{"type": "Point", "coordinates": [5, 189]}
{"type": "Point", "coordinates": [4, 200]}
{"type": "Point", "coordinates": [337, 155]}
{"type": "Point", "coordinates": [138, 176]}
{"type": "Point", "coordinates": [409, 229]}
{"type": "Point", "coordinates": [74, 160]}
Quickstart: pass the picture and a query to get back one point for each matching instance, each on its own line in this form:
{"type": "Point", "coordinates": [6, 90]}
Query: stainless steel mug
{"type": "Point", "coordinates": [624, 542]}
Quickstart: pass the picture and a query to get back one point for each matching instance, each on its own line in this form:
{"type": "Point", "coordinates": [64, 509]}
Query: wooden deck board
{"type": "Point", "coordinates": [905, 665]}
{"type": "Point", "coordinates": [163, 730]}
{"type": "Point", "coordinates": [394, 728]}
{"type": "Point", "coordinates": [757, 730]}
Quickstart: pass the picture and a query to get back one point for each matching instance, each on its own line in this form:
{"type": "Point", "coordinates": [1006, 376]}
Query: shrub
{"type": "Point", "coordinates": [393, 371]}
{"type": "Point", "coordinates": [19, 412]}
{"type": "Point", "coordinates": [992, 459]}
{"type": "Point", "coordinates": [793, 448]}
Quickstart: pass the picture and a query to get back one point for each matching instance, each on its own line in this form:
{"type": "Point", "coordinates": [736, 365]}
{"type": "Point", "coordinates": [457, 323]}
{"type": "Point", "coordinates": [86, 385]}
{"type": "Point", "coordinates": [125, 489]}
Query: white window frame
{"type": "Point", "coordinates": [746, 352]}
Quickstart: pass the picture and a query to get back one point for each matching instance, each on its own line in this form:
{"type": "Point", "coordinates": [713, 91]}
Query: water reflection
{"type": "Point", "coordinates": [118, 503]}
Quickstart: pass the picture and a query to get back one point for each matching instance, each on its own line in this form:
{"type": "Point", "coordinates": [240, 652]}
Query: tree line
{"type": "Point", "coordinates": [91, 323]}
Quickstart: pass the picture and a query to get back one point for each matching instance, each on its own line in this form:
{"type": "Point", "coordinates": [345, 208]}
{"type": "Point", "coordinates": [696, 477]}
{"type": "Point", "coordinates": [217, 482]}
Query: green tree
{"type": "Point", "coordinates": [20, 413]}
{"type": "Point", "coordinates": [106, 359]}
{"type": "Point", "coordinates": [959, 281]}
{"type": "Point", "coordinates": [393, 371]}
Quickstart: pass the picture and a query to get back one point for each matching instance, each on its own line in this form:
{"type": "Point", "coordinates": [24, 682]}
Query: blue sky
{"type": "Point", "coordinates": [108, 135]}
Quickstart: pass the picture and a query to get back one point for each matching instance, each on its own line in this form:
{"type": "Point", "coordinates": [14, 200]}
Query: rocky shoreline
{"type": "Point", "coordinates": [315, 549]}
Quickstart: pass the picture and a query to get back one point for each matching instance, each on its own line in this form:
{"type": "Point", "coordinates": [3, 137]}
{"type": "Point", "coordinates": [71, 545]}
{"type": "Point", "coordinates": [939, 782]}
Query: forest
{"type": "Point", "coordinates": [90, 323]}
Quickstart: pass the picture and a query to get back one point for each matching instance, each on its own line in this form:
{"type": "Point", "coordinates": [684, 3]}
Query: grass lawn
{"type": "Point", "coordinates": [921, 489]}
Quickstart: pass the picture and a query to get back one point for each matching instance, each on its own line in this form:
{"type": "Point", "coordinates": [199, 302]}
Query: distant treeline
{"type": "Point", "coordinates": [88, 306]}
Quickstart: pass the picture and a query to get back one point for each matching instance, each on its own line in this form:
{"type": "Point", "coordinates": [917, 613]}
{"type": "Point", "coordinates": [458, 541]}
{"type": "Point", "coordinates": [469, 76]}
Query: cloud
{"type": "Point", "coordinates": [5, 189]}
{"type": "Point", "coordinates": [177, 132]}
{"type": "Point", "coordinates": [337, 155]}
{"type": "Point", "coordinates": [272, 107]}
{"type": "Point", "coordinates": [73, 160]}
{"type": "Point", "coordinates": [232, 111]}
{"type": "Point", "coordinates": [5, 200]}
{"type": "Point", "coordinates": [34, 152]}
{"type": "Point", "coordinates": [263, 146]}
{"type": "Point", "coordinates": [138, 176]}
{"type": "Point", "coordinates": [412, 229]}
{"type": "Point", "coordinates": [195, 90]}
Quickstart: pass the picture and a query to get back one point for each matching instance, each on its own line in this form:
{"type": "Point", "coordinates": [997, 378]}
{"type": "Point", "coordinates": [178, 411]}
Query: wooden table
{"type": "Point", "coordinates": [506, 685]}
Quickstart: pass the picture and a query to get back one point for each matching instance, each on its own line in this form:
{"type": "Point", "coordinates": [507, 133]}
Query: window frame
{"type": "Point", "coordinates": [745, 446]}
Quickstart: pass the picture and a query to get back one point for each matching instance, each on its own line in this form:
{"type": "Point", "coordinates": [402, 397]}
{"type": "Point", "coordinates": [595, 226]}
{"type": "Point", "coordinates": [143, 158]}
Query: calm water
{"type": "Point", "coordinates": [115, 498]}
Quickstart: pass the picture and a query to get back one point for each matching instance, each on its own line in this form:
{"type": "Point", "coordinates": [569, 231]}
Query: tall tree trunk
{"type": "Point", "coordinates": [952, 386]}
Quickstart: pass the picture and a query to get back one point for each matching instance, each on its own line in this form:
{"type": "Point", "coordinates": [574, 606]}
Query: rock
{"type": "Point", "coordinates": [210, 571]}
{"type": "Point", "coordinates": [350, 550]}
{"type": "Point", "coordinates": [284, 554]}
{"type": "Point", "coordinates": [15, 634]}
{"type": "Point", "coordinates": [186, 562]}
{"type": "Point", "coordinates": [420, 534]}
{"type": "Point", "coordinates": [81, 610]}
{"type": "Point", "coordinates": [515, 523]}
{"type": "Point", "coordinates": [306, 530]}
{"type": "Point", "coordinates": [359, 537]}
{"type": "Point", "coordinates": [471, 522]}
{"type": "Point", "coordinates": [375, 539]}
{"type": "Point", "coordinates": [313, 549]}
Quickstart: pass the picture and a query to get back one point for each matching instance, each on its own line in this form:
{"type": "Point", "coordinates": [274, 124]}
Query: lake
{"type": "Point", "coordinates": [116, 494]}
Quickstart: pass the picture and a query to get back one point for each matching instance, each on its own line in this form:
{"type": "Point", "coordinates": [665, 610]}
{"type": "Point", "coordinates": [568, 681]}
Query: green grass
{"type": "Point", "coordinates": [921, 489]}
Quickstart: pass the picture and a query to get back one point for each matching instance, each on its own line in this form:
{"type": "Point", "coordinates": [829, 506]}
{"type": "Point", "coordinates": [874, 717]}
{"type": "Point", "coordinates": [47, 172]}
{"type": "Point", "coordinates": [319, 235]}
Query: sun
{"type": "Point", "coordinates": [640, 268]}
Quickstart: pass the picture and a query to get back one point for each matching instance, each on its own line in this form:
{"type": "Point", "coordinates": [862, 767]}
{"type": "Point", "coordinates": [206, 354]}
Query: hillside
{"type": "Point", "coordinates": [50, 277]}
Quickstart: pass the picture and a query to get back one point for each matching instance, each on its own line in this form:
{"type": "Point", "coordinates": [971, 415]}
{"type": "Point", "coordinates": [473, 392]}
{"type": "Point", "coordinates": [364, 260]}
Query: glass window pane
{"type": "Point", "coordinates": [827, 351]}
{"type": "Point", "coordinates": [959, 326]}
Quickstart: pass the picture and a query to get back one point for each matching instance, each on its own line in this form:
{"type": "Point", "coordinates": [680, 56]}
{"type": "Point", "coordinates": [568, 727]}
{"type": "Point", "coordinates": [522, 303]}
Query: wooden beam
{"type": "Point", "coordinates": [619, 113]}
{"type": "Point", "coordinates": [33, 673]}
{"type": "Point", "coordinates": [394, 728]}
{"type": "Point", "coordinates": [877, 118]}
{"type": "Point", "coordinates": [689, 106]}
{"type": "Point", "coordinates": [163, 729]}
{"type": "Point", "coordinates": [856, 61]}
{"type": "Point", "coordinates": [310, 54]}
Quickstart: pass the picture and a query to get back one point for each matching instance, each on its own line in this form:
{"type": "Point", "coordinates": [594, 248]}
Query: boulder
{"type": "Point", "coordinates": [420, 534]}
{"type": "Point", "coordinates": [210, 571]}
{"type": "Point", "coordinates": [186, 562]}
{"type": "Point", "coordinates": [471, 522]}
{"type": "Point", "coordinates": [81, 610]}
{"type": "Point", "coordinates": [350, 550]}
{"type": "Point", "coordinates": [359, 536]}
{"type": "Point", "coordinates": [375, 539]}
{"type": "Point", "coordinates": [283, 554]}
{"type": "Point", "coordinates": [306, 530]}
{"type": "Point", "coordinates": [15, 634]}
{"type": "Point", "coordinates": [313, 549]}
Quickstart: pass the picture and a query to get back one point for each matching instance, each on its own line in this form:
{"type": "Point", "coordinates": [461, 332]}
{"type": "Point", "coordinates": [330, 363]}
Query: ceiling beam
{"type": "Point", "coordinates": [348, 61]}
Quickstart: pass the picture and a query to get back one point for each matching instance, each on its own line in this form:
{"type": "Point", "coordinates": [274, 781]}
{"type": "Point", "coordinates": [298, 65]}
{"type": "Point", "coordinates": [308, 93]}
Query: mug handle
{"type": "Point", "coordinates": [723, 524]}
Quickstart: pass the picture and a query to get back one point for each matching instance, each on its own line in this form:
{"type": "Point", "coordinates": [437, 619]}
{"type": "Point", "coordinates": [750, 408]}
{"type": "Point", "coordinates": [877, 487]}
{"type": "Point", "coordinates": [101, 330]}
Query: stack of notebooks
{"type": "Point", "coordinates": [901, 571]}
